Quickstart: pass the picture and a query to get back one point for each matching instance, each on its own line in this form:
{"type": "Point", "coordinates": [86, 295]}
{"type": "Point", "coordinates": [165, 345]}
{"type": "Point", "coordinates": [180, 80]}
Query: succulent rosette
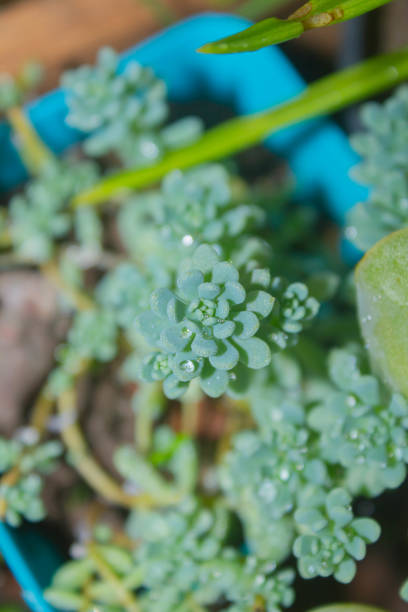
{"type": "Point", "coordinates": [211, 327]}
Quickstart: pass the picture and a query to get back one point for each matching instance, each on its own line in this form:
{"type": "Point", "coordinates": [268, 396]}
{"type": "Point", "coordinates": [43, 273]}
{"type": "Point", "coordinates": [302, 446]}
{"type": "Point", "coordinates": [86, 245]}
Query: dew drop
{"type": "Point", "coordinates": [284, 474]}
{"type": "Point", "coordinates": [259, 580]}
{"type": "Point", "coordinates": [150, 150]}
{"type": "Point", "coordinates": [187, 240]}
{"type": "Point", "coordinates": [186, 332]}
{"type": "Point", "coordinates": [188, 366]}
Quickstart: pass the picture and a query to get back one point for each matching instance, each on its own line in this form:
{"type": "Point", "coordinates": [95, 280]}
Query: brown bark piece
{"type": "Point", "coordinates": [30, 328]}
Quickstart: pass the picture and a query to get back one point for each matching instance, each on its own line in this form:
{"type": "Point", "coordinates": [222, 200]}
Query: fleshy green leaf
{"type": "Point", "coordinates": [367, 528]}
{"type": "Point", "coordinates": [64, 600]}
{"type": "Point", "coordinates": [382, 294]}
{"type": "Point", "coordinates": [346, 571]}
{"type": "Point", "coordinates": [214, 382]}
{"type": "Point", "coordinates": [226, 358]}
{"type": "Point", "coordinates": [260, 302]}
{"type": "Point", "coordinates": [254, 352]}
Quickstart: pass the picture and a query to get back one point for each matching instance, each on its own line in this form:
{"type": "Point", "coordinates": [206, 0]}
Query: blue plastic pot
{"type": "Point", "coordinates": [317, 151]}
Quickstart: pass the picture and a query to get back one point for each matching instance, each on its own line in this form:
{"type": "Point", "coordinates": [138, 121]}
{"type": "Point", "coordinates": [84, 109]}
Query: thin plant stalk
{"type": "Point", "coordinates": [34, 153]}
{"type": "Point", "coordinates": [86, 465]}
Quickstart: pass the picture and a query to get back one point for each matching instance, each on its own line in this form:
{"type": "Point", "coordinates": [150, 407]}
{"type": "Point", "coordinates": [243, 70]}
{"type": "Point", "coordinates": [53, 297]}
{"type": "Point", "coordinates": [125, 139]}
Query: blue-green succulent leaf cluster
{"type": "Point", "coordinates": [21, 498]}
{"type": "Point", "coordinates": [77, 585]}
{"type": "Point", "coordinates": [331, 539]}
{"type": "Point", "coordinates": [161, 228]}
{"type": "Point", "coordinates": [93, 336]}
{"type": "Point", "coordinates": [39, 216]}
{"type": "Point", "coordinates": [182, 561]}
{"type": "Point", "coordinates": [361, 428]}
{"type": "Point", "coordinates": [211, 328]}
{"type": "Point", "coordinates": [185, 551]}
{"type": "Point", "coordinates": [125, 110]}
{"type": "Point", "coordinates": [319, 443]}
{"type": "Point", "coordinates": [199, 205]}
{"type": "Point", "coordinates": [125, 292]}
{"type": "Point", "coordinates": [295, 308]}
{"type": "Point", "coordinates": [383, 169]}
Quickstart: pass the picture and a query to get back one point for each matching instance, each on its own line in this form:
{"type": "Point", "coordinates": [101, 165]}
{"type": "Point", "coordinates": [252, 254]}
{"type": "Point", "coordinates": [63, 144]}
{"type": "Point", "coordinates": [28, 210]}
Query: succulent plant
{"type": "Point", "coordinates": [332, 539]}
{"type": "Point", "coordinates": [383, 169]}
{"type": "Point", "coordinates": [39, 216]}
{"type": "Point", "coordinates": [211, 328]}
{"type": "Point", "coordinates": [23, 461]}
{"type": "Point", "coordinates": [204, 288]}
{"type": "Point", "coordinates": [124, 109]}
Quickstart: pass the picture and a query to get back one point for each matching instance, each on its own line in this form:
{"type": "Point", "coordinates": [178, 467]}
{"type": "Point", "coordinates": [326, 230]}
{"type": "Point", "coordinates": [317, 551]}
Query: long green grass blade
{"type": "Point", "coordinates": [322, 97]}
{"type": "Point", "coordinates": [271, 31]}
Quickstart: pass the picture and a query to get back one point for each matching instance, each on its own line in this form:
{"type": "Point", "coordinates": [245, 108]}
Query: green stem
{"type": "Point", "coordinates": [33, 151]}
{"type": "Point", "coordinates": [322, 97]}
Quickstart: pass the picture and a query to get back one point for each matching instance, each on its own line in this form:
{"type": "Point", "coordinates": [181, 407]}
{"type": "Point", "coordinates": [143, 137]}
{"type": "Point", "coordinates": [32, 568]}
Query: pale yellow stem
{"type": "Point", "coordinates": [9, 479]}
{"type": "Point", "coordinates": [41, 412]}
{"type": "Point", "coordinates": [87, 466]}
{"type": "Point", "coordinates": [33, 151]}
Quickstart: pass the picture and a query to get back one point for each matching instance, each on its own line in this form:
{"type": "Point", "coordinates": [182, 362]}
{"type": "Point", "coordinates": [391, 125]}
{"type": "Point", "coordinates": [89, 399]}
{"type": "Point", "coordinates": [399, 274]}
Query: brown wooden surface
{"type": "Point", "coordinates": [65, 33]}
